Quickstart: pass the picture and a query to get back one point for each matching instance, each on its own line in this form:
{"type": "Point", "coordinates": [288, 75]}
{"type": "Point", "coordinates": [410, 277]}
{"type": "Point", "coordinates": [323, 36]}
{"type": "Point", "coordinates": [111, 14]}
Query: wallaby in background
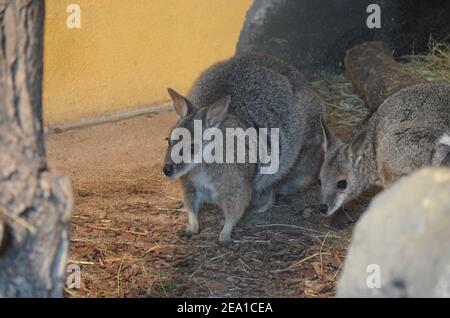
{"type": "Point", "coordinates": [250, 90]}
{"type": "Point", "coordinates": [410, 130]}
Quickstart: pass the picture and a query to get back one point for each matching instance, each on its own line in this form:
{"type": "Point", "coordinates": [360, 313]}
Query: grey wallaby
{"type": "Point", "coordinates": [410, 130]}
{"type": "Point", "coordinates": [247, 91]}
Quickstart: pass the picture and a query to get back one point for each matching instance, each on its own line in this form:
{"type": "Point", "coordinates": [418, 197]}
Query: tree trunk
{"type": "Point", "coordinates": [376, 75]}
{"type": "Point", "coordinates": [35, 204]}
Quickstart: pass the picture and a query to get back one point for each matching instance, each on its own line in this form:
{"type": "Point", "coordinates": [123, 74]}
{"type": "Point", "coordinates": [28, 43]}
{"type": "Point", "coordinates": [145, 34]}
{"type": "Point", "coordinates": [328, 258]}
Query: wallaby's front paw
{"type": "Point", "coordinates": [225, 242]}
{"type": "Point", "coordinates": [186, 233]}
{"type": "Point", "coordinates": [192, 231]}
{"type": "Point", "coordinates": [224, 239]}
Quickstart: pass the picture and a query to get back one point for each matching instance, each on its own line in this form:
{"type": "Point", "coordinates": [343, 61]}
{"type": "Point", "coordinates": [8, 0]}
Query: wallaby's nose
{"type": "Point", "coordinates": [323, 208]}
{"type": "Point", "coordinates": [168, 170]}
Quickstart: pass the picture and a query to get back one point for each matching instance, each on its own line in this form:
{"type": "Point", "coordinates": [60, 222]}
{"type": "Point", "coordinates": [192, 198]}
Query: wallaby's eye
{"type": "Point", "coordinates": [342, 185]}
{"type": "Point", "coordinates": [319, 182]}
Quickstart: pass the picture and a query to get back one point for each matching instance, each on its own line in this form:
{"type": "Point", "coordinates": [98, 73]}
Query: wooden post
{"type": "Point", "coordinates": [35, 204]}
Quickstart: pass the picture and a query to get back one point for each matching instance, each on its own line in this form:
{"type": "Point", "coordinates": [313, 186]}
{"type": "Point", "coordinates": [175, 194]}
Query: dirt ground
{"type": "Point", "coordinates": [127, 220]}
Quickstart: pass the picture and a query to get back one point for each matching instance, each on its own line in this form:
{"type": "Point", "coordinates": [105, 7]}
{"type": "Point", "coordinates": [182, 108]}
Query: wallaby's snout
{"type": "Point", "coordinates": [168, 170]}
{"type": "Point", "coordinates": [339, 182]}
{"type": "Point", "coordinates": [173, 167]}
{"type": "Point", "coordinates": [323, 209]}
{"type": "Point", "coordinates": [331, 201]}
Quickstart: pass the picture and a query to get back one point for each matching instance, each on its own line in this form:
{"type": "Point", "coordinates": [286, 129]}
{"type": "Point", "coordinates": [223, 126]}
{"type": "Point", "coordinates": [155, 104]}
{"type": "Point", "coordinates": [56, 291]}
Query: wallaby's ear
{"type": "Point", "coordinates": [328, 137]}
{"type": "Point", "coordinates": [217, 111]}
{"type": "Point", "coordinates": [183, 107]}
{"type": "Point", "coordinates": [358, 147]}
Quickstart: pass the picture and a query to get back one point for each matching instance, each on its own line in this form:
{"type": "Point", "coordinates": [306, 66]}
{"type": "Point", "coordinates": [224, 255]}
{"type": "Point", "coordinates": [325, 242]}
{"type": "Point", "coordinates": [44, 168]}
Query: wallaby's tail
{"type": "Point", "coordinates": [441, 155]}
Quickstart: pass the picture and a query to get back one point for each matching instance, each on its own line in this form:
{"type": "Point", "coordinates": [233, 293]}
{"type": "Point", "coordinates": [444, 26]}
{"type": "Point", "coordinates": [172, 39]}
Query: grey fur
{"type": "Point", "coordinates": [442, 151]}
{"type": "Point", "coordinates": [403, 135]}
{"type": "Point", "coordinates": [265, 93]}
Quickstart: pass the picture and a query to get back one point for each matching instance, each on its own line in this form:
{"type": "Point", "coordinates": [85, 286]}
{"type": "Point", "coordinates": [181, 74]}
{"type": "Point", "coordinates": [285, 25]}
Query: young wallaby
{"type": "Point", "coordinates": [410, 130]}
{"type": "Point", "coordinates": [250, 91]}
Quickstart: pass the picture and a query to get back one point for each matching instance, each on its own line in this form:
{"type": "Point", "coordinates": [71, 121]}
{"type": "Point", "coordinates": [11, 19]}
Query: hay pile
{"type": "Point", "coordinates": [435, 66]}
{"type": "Point", "coordinates": [346, 109]}
{"type": "Point", "coordinates": [343, 105]}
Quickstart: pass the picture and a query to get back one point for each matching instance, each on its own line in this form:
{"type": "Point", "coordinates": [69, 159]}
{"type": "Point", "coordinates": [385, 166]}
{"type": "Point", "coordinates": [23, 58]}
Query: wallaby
{"type": "Point", "coordinates": [409, 130]}
{"type": "Point", "coordinates": [247, 91]}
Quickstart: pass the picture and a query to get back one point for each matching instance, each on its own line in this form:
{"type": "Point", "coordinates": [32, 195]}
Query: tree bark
{"type": "Point", "coordinates": [375, 74]}
{"type": "Point", "coordinates": [35, 204]}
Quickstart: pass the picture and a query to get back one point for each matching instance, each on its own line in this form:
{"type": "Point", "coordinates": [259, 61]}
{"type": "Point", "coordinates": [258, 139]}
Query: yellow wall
{"type": "Point", "coordinates": [127, 52]}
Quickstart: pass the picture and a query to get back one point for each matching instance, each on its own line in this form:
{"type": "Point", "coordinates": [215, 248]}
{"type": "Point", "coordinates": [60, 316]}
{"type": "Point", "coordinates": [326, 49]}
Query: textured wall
{"type": "Point", "coordinates": [127, 52]}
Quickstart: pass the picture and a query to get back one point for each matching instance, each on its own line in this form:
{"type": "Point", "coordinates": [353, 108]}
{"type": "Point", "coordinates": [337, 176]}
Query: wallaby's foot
{"type": "Point", "coordinates": [188, 232]}
{"type": "Point", "coordinates": [264, 208]}
{"type": "Point", "coordinates": [184, 234]}
{"type": "Point", "coordinates": [193, 227]}
{"type": "Point", "coordinates": [225, 241]}
{"type": "Point", "coordinates": [263, 202]}
{"type": "Point", "coordinates": [225, 235]}
{"type": "Point", "coordinates": [230, 222]}
{"type": "Point", "coordinates": [224, 238]}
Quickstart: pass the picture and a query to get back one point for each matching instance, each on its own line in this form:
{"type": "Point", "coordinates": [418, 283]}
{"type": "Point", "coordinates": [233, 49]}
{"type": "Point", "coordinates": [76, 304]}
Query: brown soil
{"type": "Point", "coordinates": [127, 219]}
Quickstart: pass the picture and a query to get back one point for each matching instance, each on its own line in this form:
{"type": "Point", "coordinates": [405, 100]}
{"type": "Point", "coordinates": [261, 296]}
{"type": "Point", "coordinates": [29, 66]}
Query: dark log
{"type": "Point", "coordinates": [35, 204]}
{"type": "Point", "coordinates": [375, 73]}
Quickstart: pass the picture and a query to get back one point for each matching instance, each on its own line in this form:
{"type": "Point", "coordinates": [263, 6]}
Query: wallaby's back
{"type": "Point", "coordinates": [410, 124]}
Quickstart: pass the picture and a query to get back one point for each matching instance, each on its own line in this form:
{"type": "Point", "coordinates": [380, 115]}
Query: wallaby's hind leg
{"type": "Point", "coordinates": [193, 203]}
{"type": "Point", "coordinates": [261, 202]}
{"type": "Point", "coordinates": [193, 227]}
{"type": "Point", "coordinates": [233, 212]}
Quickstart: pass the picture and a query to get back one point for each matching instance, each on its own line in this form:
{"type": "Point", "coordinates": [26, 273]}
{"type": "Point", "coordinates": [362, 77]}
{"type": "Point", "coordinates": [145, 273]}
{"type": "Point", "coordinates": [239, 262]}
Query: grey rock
{"type": "Point", "coordinates": [405, 234]}
{"type": "Point", "coordinates": [314, 35]}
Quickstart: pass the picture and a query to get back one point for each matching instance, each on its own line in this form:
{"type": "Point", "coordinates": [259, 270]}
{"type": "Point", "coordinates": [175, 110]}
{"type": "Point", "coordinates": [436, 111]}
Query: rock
{"type": "Point", "coordinates": [314, 35]}
{"type": "Point", "coordinates": [405, 238]}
